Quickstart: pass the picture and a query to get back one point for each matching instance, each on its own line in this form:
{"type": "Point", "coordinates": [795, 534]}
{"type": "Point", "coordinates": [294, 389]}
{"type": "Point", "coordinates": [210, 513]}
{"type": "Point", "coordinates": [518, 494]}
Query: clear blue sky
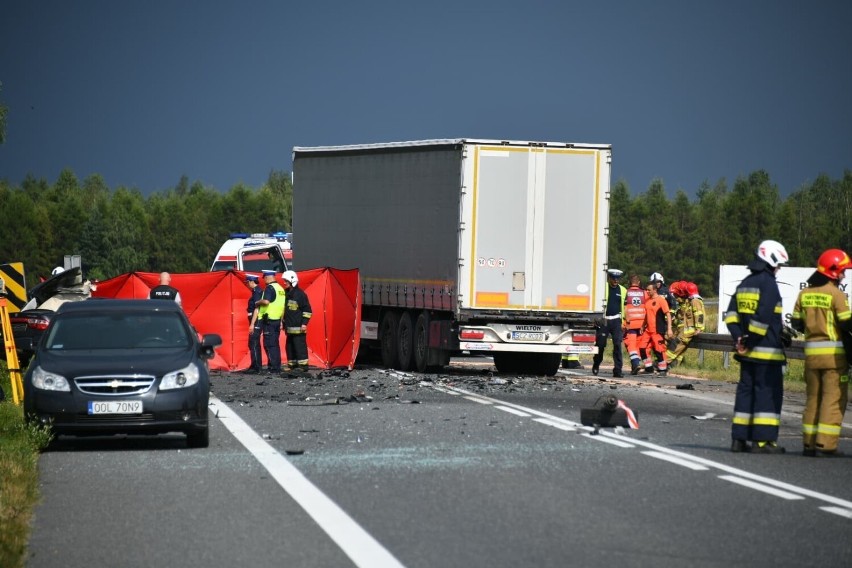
{"type": "Point", "coordinates": [144, 92]}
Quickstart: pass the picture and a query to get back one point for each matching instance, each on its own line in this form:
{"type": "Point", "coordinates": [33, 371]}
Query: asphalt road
{"type": "Point", "coordinates": [467, 468]}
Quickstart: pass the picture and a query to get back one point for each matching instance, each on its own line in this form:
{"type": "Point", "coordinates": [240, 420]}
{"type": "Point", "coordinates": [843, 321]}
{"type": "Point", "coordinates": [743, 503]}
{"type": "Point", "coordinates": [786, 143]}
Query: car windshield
{"type": "Point", "coordinates": [118, 331]}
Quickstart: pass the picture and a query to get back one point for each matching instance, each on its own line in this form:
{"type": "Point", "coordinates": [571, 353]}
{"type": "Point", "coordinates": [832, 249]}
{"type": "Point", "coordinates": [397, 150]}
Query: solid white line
{"type": "Point", "coordinates": [838, 511]}
{"type": "Point", "coordinates": [441, 389]}
{"type": "Point", "coordinates": [354, 541]}
{"type": "Point", "coordinates": [599, 438]}
{"type": "Point", "coordinates": [479, 400]}
{"type": "Point", "coordinates": [672, 459]}
{"type": "Point", "coordinates": [511, 411]}
{"type": "Point", "coordinates": [555, 424]}
{"type": "Point", "coordinates": [760, 487]}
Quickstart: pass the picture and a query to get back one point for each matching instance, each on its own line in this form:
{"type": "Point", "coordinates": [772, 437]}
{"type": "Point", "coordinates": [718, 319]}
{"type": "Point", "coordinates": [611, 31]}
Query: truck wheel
{"type": "Point", "coordinates": [421, 342]}
{"type": "Point", "coordinates": [549, 363]}
{"type": "Point", "coordinates": [405, 342]}
{"type": "Point", "coordinates": [507, 362]}
{"type": "Point", "coordinates": [388, 330]}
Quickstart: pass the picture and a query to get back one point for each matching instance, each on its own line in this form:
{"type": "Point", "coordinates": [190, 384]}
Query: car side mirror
{"type": "Point", "coordinates": [208, 344]}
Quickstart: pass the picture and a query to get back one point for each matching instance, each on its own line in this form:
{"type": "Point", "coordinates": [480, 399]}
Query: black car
{"type": "Point", "coordinates": [121, 366]}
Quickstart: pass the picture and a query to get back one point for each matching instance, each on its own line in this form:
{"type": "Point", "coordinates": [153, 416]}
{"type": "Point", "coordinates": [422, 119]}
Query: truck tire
{"type": "Point", "coordinates": [507, 363]}
{"type": "Point", "coordinates": [388, 330]}
{"type": "Point", "coordinates": [405, 342]}
{"type": "Point", "coordinates": [549, 363]}
{"type": "Point", "coordinates": [421, 342]}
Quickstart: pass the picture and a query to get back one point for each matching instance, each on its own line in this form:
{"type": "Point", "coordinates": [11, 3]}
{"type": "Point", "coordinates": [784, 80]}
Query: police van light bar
{"type": "Point", "coordinates": [239, 236]}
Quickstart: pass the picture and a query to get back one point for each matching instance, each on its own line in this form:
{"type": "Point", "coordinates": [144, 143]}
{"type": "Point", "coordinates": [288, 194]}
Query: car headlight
{"type": "Point", "coordinates": [45, 380]}
{"type": "Point", "coordinates": [181, 378]}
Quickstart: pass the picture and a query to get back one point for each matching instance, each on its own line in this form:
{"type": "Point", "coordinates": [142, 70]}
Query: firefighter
{"type": "Point", "coordinates": [663, 290]}
{"type": "Point", "coordinates": [657, 328]}
{"type": "Point", "coordinates": [634, 320]}
{"type": "Point", "coordinates": [822, 313]}
{"type": "Point", "coordinates": [255, 330]}
{"type": "Point", "coordinates": [270, 308]}
{"type": "Point", "coordinates": [753, 318]}
{"type": "Point", "coordinates": [297, 315]}
{"type": "Point", "coordinates": [165, 291]}
{"type": "Point", "coordinates": [571, 361]}
{"type": "Point", "coordinates": [690, 316]}
{"type": "Point", "coordinates": [614, 296]}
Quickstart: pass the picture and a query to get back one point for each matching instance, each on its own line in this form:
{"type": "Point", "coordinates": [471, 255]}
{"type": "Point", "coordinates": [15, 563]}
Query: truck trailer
{"type": "Point", "coordinates": [490, 247]}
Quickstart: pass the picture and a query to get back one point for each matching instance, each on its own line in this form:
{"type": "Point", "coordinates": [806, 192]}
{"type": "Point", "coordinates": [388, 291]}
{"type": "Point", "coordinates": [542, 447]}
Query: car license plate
{"type": "Point", "coordinates": [527, 336]}
{"type": "Point", "coordinates": [115, 407]}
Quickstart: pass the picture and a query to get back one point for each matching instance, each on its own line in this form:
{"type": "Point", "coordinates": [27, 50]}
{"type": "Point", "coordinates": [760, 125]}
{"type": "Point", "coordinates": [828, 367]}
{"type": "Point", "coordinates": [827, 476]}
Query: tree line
{"type": "Point", "coordinates": [181, 229]}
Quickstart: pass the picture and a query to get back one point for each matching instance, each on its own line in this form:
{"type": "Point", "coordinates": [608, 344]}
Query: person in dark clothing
{"type": "Point", "coordinates": [754, 321]}
{"type": "Point", "coordinates": [297, 315]}
{"type": "Point", "coordinates": [164, 291]}
{"type": "Point", "coordinates": [255, 330]}
{"type": "Point", "coordinates": [612, 323]}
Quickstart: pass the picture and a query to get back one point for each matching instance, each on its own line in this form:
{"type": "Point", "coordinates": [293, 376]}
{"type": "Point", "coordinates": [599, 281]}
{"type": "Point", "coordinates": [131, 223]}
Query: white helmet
{"type": "Point", "coordinates": [772, 253]}
{"type": "Point", "coordinates": [57, 270]}
{"type": "Point", "coordinates": [657, 277]}
{"type": "Point", "coordinates": [291, 277]}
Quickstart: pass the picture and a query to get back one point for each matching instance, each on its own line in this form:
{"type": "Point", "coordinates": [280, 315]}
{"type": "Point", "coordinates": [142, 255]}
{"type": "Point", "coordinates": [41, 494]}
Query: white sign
{"type": "Point", "coordinates": [791, 280]}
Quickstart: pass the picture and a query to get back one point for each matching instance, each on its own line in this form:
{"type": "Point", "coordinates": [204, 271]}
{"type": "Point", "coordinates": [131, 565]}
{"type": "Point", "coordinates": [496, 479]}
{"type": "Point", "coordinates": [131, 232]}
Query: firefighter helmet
{"type": "Point", "coordinates": [692, 289]}
{"type": "Point", "coordinates": [291, 277]}
{"type": "Point", "coordinates": [772, 253]}
{"type": "Point", "coordinates": [678, 288]}
{"type": "Point", "coordinates": [833, 262]}
{"type": "Point", "coordinates": [657, 277]}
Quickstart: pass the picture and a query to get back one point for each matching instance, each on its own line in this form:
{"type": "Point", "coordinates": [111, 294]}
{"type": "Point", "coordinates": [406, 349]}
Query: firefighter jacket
{"type": "Point", "coordinates": [297, 311]}
{"type": "Point", "coordinates": [691, 314]}
{"type": "Point", "coordinates": [754, 314]}
{"type": "Point", "coordinates": [275, 308]}
{"type": "Point", "coordinates": [822, 312]}
{"type": "Point", "coordinates": [634, 307]}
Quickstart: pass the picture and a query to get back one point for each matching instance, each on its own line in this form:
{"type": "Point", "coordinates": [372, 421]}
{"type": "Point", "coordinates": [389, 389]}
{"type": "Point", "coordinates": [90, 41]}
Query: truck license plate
{"type": "Point", "coordinates": [115, 407]}
{"type": "Point", "coordinates": [527, 336]}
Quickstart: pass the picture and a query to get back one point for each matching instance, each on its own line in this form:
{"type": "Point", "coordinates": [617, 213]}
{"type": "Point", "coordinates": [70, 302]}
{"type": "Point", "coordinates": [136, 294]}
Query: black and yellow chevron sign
{"type": "Point", "coordinates": [15, 285]}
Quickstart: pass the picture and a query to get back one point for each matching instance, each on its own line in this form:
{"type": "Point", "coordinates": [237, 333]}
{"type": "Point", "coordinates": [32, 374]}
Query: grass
{"type": "Point", "coordinates": [20, 445]}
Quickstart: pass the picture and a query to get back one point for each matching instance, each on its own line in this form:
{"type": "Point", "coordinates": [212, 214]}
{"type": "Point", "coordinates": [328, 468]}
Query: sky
{"type": "Point", "coordinates": [145, 92]}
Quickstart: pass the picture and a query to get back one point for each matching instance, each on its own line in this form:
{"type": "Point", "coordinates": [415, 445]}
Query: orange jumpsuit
{"type": "Point", "coordinates": [656, 326]}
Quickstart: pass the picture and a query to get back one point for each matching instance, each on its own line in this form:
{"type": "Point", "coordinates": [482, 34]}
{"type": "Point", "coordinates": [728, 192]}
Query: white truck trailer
{"type": "Point", "coordinates": [486, 246]}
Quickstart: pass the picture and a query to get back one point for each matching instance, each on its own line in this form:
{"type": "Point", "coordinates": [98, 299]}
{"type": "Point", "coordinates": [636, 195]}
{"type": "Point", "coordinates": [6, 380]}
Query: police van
{"type": "Point", "coordinates": [256, 252]}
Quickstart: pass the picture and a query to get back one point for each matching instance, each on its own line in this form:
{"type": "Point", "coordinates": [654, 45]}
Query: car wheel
{"type": "Point", "coordinates": [198, 439]}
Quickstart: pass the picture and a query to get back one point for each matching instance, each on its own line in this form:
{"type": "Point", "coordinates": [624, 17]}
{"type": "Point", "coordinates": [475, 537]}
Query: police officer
{"type": "Point", "coordinates": [614, 295]}
{"type": "Point", "coordinates": [255, 331]}
{"type": "Point", "coordinates": [297, 315]}
{"type": "Point", "coordinates": [164, 291]}
{"type": "Point", "coordinates": [270, 309]}
{"type": "Point", "coordinates": [822, 313]}
{"type": "Point", "coordinates": [754, 321]}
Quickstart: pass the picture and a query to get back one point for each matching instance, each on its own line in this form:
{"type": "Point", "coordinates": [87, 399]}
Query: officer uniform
{"type": "Point", "coordinates": [270, 309]}
{"type": "Point", "coordinates": [822, 313]}
{"type": "Point", "coordinates": [164, 292]}
{"type": "Point", "coordinates": [614, 296]}
{"type": "Point", "coordinates": [297, 313]}
{"type": "Point", "coordinates": [753, 318]}
{"type": "Point", "coordinates": [255, 329]}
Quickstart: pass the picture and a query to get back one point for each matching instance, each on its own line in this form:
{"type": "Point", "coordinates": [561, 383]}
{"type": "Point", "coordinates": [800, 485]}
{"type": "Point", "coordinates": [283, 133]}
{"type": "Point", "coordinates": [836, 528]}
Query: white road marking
{"type": "Point", "coordinates": [838, 511]}
{"type": "Point", "coordinates": [599, 438]}
{"type": "Point", "coordinates": [511, 410]}
{"type": "Point", "coordinates": [479, 400]}
{"type": "Point", "coordinates": [354, 541]}
{"type": "Point", "coordinates": [758, 482]}
{"type": "Point", "coordinates": [558, 425]}
{"type": "Point", "coordinates": [672, 459]}
{"type": "Point", "coordinates": [761, 487]}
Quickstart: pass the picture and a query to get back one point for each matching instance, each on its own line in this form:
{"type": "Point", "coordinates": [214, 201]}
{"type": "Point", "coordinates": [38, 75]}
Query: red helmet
{"type": "Point", "coordinates": [692, 288]}
{"type": "Point", "coordinates": [833, 262]}
{"type": "Point", "coordinates": [678, 288]}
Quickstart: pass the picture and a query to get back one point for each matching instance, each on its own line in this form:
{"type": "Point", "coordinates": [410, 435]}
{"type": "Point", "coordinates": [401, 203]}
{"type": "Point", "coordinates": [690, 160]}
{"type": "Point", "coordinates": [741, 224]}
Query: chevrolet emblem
{"type": "Point", "coordinates": [114, 384]}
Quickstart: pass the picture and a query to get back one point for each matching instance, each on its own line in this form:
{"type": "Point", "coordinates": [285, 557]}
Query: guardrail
{"type": "Point", "coordinates": [722, 342]}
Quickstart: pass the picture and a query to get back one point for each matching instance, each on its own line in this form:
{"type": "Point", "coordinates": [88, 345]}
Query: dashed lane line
{"type": "Point", "coordinates": [675, 460]}
{"type": "Point", "coordinates": [364, 550]}
{"type": "Point", "coordinates": [839, 506]}
{"type": "Point", "coordinates": [511, 410]}
{"type": "Point", "coordinates": [761, 487]}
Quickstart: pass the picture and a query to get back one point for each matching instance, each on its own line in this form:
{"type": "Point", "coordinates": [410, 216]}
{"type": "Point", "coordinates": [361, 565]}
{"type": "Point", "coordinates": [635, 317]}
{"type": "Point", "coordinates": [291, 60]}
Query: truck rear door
{"type": "Point", "coordinates": [537, 219]}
